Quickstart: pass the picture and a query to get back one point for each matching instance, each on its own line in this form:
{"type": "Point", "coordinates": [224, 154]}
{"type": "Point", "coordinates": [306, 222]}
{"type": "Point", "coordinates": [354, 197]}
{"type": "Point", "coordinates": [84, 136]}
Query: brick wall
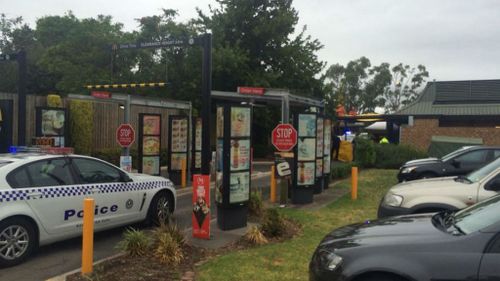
{"type": "Point", "coordinates": [420, 134]}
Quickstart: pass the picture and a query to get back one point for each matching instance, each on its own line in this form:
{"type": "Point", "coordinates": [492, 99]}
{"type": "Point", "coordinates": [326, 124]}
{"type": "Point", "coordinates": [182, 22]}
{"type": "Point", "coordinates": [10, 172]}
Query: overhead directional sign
{"type": "Point", "coordinates": [156, 44]}
{"type": "Point", "coordinates": [6, 57]}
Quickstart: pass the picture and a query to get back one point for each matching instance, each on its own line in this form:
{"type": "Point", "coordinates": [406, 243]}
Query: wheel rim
{"type": "Point", "coordinates": [163, 209]}
{"type": "Point", "coordinates": [14, 241]}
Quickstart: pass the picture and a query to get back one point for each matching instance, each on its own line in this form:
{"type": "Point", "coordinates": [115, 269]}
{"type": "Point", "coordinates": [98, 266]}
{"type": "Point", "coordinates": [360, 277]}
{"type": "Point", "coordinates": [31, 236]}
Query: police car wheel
{"type": "Point", "coordinates": [17, 241]}
{"type": "Point", "coordinates": [160, 209]}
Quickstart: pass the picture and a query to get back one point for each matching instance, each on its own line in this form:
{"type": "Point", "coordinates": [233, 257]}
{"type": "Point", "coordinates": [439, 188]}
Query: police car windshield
{"type": "Point", "coordinates": [477, 175]}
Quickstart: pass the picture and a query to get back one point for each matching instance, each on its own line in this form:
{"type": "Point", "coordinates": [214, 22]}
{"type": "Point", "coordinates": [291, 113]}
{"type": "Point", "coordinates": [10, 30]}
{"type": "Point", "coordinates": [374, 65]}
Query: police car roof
{"type": "Point", "coordinates": [26, 156]}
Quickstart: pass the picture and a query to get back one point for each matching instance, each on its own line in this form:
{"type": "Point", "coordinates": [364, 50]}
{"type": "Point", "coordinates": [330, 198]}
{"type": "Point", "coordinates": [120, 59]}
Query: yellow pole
{"type": "Point", "coordinates": [273, 185]}
{"type": "Point", "coordinates": [183, 173]}
{"type": "Point", "coordinates": [354, 183]}
{"type": "Point", "coordinates": [88, 236]}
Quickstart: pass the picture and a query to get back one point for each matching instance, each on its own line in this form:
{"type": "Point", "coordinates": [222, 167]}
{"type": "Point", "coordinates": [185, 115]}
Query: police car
{"type": "Point", "coordinates": [41, 199]}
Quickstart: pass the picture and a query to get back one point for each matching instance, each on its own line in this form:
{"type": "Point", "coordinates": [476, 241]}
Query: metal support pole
{"type": "Point", "coordinates": [126, 150]}
{"type": "Point", "coordinates": [21, 102]}
{"type": "Point", "coordinates": [285, 110]}
{"type": "Point", "coordinates": [190, 146]}
{"type": "Point", "coordinates": [206, 82]}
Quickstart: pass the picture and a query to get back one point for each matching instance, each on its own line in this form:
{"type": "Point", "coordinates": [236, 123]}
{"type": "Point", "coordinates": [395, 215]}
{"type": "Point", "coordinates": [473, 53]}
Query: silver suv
{"type": "Point", "coordinates": [438, 194]}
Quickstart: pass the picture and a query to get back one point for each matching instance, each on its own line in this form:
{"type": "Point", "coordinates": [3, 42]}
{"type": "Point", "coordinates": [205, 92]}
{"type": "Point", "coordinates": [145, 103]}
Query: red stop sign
{"type": "Point", "coordinates": [284, 137]}
{"type": "Point", "coordinates": [125, 135]}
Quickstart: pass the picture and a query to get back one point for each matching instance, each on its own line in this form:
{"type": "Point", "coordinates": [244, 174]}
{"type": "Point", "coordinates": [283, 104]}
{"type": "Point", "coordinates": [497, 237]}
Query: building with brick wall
{"type": "Point", "coordinates": [456, 110]}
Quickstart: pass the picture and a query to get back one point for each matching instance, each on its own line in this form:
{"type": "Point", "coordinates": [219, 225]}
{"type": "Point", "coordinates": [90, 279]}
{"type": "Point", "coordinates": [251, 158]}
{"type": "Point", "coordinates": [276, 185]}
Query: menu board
{"type": "Point", "coordinates": [51, 122]}
{"type": "Point", "coordinates": [151, 145]}
{"type": "Point", "coordinates": [239, 187]}
{"type": "Point", "coordinates": [305, 173]}
{"type": "Point", "coordinates": [328, 146]}
{"type": "Point", "coordinates": [197, 134]}
{"type": "Point", "coordinates": [150, 165]}
{"type": "Point", "coordinates": [240, 154]}
{"type": "Point", "coordinates": [220, 122]}
{"type": "Point", "coordinates": [197, 160]}
{"type": "Point", "coordinates": [319, 167]}
{"type": "Point", "coordinates": [179, 135]}
{"type": "Point", "coordinates": [151, 125]}
{"type": "Point", "coordinates": [176, 160]}
{"type": "Point", "coordinates": [307, 125]}
{"type": "Point", "coordinates": [319, 137]}
{"type": "Point", "coordinates": [306, 149]}
{"type": "Point", "coordinates": [219, 165]}
{"type": "Point", "coordinates": [240, 121]}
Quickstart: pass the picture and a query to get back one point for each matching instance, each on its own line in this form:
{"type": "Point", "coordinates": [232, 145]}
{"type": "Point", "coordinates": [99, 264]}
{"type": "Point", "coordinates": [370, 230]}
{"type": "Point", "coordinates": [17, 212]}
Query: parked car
{"type": "Point", "coordinates": [464, 245]}
{"type": "Point", "coordinates": [458, 162]}
{"type": "Point", "coordinates": [41, 199]}
{"type": "Point", "coordinates": [448, 193]}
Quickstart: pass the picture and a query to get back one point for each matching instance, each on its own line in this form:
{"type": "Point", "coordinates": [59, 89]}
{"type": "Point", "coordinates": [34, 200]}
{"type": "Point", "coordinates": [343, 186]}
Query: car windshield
{"type": "Point", "coordinates": [478, 174]}
{"type": "Point", "coordinates": [454, 153]}
{"type": "Point", "coordinates": [478, 216]}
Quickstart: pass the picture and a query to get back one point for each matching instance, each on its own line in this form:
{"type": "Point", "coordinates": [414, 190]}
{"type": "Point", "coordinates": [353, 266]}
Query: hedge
{"type": "Point", "coordinates": [341, 170]}
{"type": "Point", "coordinates": [392, 156]}
{"type": "Point", "coordinates": [81, 119]}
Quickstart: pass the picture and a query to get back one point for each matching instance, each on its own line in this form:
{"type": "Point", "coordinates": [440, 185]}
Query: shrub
{"type": "Point", "coordinates": [273, 223]}
{"type": "Point", "coordinates": [134, 243]}
{"type": "Point", "coordinates": [255, 236]}
{"type": "Point", "coordinates": [81, 124]}
{"type": "Point", "coordinates": [111, 155]}
{"type": "Point", "coordinates": [173, 229]}
{"type": "Point", "coordinates": [364, 152]}
{"type": "Point", "coordinates": [54, 100]}
{"type": "Point", "coordinates": [168, 250]}
{"type": "Point", "coordinates": [392, 156]}
{"type": "Point", "coordinates": [341, 170]}
{"type": "Point", "coordinates": [255, 205]}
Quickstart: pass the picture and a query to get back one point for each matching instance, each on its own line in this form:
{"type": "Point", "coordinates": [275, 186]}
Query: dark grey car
{"type": "Point", "coordinates": [444, 246]}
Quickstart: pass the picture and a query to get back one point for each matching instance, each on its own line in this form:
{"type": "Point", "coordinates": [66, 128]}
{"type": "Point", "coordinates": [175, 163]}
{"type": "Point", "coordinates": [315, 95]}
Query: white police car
{"type": "Point", "coordinates": [41, 199]}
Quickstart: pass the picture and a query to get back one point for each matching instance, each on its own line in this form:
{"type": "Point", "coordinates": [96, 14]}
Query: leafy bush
{"type": "Point", "coordinates": [168, 250]}
{"type": "Point", "coordinates": [112, 155]}
{"type": "Point", "coordinates": [364, 152]}
{"type": "Point", "coordinates": [341, 170]}
{"type": "Point", "coordinates": [54, 100]}
{"type": "Point", "coordinates": [273, 224]}
{"type": "Point", "coordinates": [173, 230]}
{"type": "Point", "coordinates": [134, 243]}
{"type": "Point", "coordinates": [81, 124]}
{"type": "Point", "coordinates": [392, 156]}
{"type": "Point", "coordinates": [255, 236]}
{"type": "Point", "coordinates": [255, 205]}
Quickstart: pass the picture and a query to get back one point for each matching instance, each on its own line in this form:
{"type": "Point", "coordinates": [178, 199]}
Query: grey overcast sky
{"type": "Point", "coordinates": [454, 39]}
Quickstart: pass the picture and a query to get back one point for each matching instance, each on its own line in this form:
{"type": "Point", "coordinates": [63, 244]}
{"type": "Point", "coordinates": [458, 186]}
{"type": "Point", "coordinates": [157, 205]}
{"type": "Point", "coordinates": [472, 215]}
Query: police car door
{"type": "Point", "coordinates": [49, 185]}
{"type": "Point", "coordinates": [117, 201]}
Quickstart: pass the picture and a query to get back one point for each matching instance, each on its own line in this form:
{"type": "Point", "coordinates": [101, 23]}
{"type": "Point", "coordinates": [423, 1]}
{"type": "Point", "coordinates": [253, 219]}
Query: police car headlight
{"type": "Point", "coordinates": [329, 260]}
{"type": "Point", "coordinates": [408, 170]}
{"type": "Point", "coordinates": [393, 200]}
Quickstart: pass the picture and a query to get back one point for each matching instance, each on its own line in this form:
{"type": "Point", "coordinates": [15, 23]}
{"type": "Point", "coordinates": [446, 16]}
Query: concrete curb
{"type": "Point", "coordinates": [63, 276]}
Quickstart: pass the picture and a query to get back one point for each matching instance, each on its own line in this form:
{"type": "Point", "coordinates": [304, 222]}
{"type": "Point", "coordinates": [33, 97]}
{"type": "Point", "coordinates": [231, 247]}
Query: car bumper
{"type": "Point", "coordinates": [389, 211]}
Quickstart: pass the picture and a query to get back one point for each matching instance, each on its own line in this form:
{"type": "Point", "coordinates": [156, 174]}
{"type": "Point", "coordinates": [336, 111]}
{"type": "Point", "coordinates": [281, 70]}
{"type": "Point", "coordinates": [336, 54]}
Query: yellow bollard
{"type": "Point", "coordinates": [88, 236]}
{"type": "Point", "coordinates": [273, 185]}
{"type": "Point", "coordinates": [183, 173]}
{"type": "Point", "coordinates": [354, 183]}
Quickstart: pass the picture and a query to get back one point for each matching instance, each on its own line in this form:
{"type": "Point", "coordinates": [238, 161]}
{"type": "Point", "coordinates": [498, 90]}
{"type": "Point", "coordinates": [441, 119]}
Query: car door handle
{"type": "Point", "coordinates": [35, 195]}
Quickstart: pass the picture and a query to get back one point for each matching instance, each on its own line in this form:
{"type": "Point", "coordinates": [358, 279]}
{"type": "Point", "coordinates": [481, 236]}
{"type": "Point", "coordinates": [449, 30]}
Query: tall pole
{"type": "Point", "coordinates": [206, 87]}
{"type": "Point", "coordinates": [21, 112]}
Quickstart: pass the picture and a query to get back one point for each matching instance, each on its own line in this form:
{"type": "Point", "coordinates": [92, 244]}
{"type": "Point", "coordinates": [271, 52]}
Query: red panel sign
{"type": "Point", "coordinates": [251, 91]}
{"type": "Point", "coordinates": [125, 135]}
{"type": "Point", "coordinates": [101, 94]}
{"type": "Point", "coordinates": [201, 206]}
{"type": "Point", "coordinates": [284, 137]}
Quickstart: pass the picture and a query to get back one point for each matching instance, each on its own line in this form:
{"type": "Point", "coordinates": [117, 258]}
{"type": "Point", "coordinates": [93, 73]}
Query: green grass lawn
{"type": "Point", "coordinates": [290, 260]}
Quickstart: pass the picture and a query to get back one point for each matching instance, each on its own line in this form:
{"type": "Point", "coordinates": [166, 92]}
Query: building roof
{"type": "Point", "coordinates": [457, 98]}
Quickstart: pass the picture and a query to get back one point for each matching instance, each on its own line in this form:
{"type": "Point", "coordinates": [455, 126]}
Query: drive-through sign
{"type": "Point", "coordinates": [284, 137]}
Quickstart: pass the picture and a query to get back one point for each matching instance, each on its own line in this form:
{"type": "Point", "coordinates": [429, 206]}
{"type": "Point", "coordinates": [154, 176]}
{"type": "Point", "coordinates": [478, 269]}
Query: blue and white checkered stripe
{"type": "Point", "coordinates": [69, 191]}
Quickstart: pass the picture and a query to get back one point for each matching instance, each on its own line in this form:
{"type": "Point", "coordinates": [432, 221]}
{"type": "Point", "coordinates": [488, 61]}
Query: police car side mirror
{"type": "Point", "coordinates": [126, 178]}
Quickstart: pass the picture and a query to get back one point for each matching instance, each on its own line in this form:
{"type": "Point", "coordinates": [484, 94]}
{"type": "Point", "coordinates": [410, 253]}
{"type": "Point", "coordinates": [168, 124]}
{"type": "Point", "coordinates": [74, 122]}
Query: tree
{"type": "Point", "coordinates": [405, 83]}
{"type": "Point", "coordinates": [357, 86]}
